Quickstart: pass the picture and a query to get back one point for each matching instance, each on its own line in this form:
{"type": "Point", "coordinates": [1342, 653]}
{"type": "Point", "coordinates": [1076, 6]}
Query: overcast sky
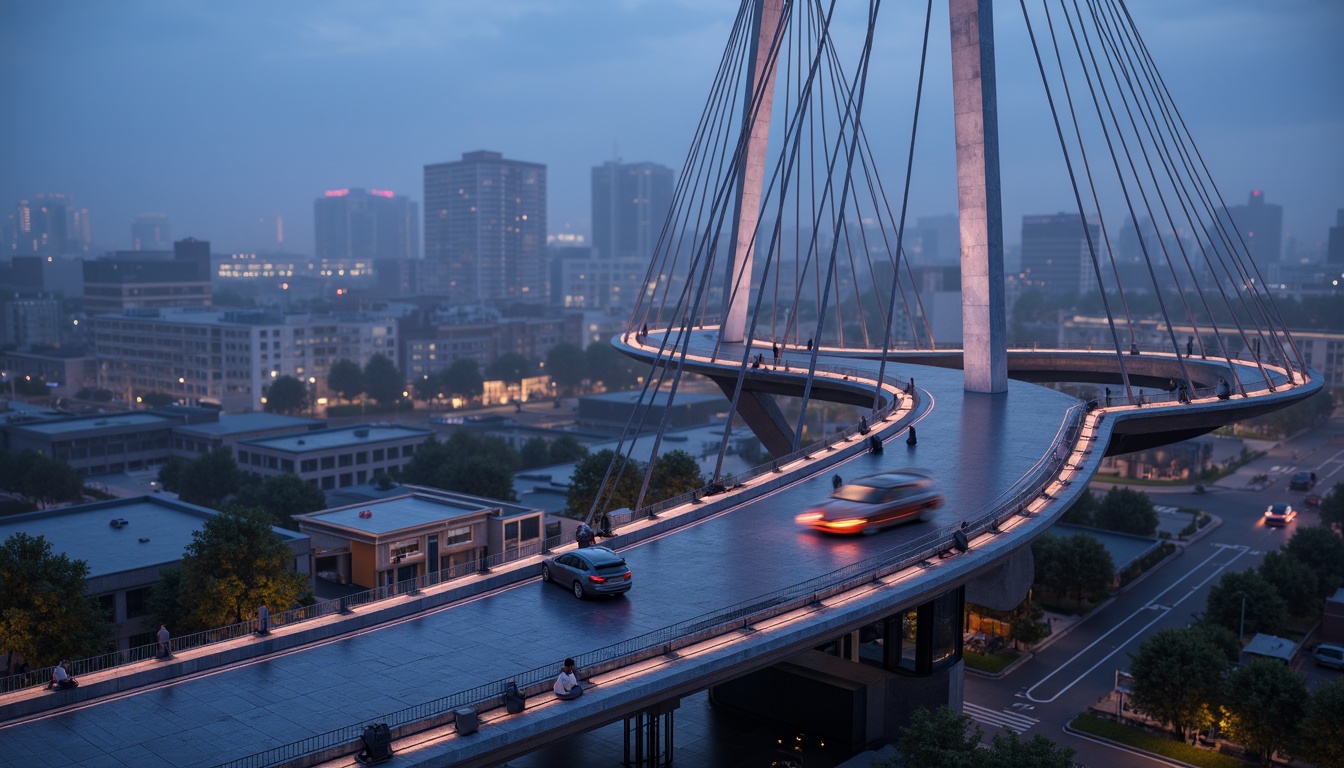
{"type": "Point", "coordinates": [223, 115]}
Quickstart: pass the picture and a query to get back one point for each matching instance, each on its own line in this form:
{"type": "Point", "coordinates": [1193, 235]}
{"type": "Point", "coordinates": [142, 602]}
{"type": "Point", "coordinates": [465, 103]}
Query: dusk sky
{"type": "Point", "coordinates": [223, 115]}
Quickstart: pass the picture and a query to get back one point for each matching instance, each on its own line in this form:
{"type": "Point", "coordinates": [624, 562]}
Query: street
{"type": "Point", "coordinates": [1076, 670]}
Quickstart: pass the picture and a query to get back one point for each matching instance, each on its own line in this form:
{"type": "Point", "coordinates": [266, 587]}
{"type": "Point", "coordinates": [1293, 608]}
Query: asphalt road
{"type": "Point", "coordinates": [1074, 672]}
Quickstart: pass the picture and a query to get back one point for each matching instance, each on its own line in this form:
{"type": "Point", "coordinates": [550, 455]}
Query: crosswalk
{"type": "Point", "coordinates": [1002, 718]}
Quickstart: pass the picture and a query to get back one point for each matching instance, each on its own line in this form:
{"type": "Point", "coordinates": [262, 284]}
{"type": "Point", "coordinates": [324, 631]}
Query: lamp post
{"type": "Point", "coordinates": [312, 395]}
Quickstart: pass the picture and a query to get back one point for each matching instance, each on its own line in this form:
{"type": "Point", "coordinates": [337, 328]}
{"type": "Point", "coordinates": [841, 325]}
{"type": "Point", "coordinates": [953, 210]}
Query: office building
{"type": "Point", "coordinates": [1334, 247]}
{"type": "Point", "coordinates": [1259, 225]}
{"type": "Point", "coordinates": [333, 458]}
{"type": "Point", "coordinates": [32, 320]}
{"type": "Point", "coordinates": [485, 229]}
{"type": "Point", "coordinates": [366, 225]}
{"type": "Point", "coordinates": [630, 205]}
{"type": "Point", "coordinates": [149, 232]}
{"type": "Point", "coordinates": [1055, 255]}
{"type": "Point", "coordinates": [126, 280]}
{"type": "Point", "coordinates": [48, 225]}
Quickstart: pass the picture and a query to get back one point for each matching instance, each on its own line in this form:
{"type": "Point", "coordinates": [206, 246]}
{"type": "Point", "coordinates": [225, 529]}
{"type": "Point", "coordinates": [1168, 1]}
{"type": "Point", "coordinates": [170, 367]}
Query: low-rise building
{"type": "Point", "coordinates": [333, 458]}
{"type": "Point", "coordinates": [425, 533]}
{"type": "Point", "coordinates": [126, 544]}
{"type": "Point", "coordinates": [191, 441]}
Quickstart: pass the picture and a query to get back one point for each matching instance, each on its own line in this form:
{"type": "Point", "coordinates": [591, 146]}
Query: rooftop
{"type": "Point", "coordinates": [395, 514]}
{"type": "Point", "coordinates": [100, 421]}
{"type": "Point", "coordinates": [242, 423]}
{"type": "Point", "coordinates": [326, 439]}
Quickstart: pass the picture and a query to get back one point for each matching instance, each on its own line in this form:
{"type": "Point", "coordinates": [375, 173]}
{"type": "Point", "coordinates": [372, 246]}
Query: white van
{"type": "Point", "coordinates": [1329, 656]}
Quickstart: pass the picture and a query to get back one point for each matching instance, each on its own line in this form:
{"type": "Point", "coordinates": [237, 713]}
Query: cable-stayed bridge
{"type": "Point", "coordinates": [784, 274]}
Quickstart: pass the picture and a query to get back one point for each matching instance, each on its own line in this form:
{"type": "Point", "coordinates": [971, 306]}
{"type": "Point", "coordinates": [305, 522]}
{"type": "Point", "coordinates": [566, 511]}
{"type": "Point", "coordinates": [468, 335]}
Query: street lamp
{"type": "Point", "coordinates": [312, 395]}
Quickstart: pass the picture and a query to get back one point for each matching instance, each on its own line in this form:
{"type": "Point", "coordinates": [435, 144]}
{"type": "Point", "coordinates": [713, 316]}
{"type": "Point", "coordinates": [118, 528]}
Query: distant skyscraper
{"type": "Point", "coordinates": [1055, 255]}
{"type": "Point", "coordinates": [359, 224]}
{"type": "Point", "coordinates": [49, 225]}
{"type": "Point", "coordinates": [149, 232]}
{"type": "Point", "coordinates": [485, 228]}
{"type": "Point", "coordinates": [1334, 248]}
{"type": "Point", "coordinates": [630, 203]}
{"type": "Point", "coordinates": [1260, 225]}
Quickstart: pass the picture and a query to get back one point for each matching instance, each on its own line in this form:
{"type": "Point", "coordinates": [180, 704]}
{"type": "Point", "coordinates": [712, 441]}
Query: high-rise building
{"type": "Point", "coordinates": [630, 204]}
{"type": "Point", "coordinates": [48, 225]}
{"type": "Point", "coordinates": [1055, 254]}
{"type": "Point", "coordinates": [485, 229]}
{"type": "Point", "coordinates": [365, 224]}
{"type": "Point", "coordinates": [149, 232]}
{"type": "Point", "coordinates": [1260, 226]}
{"type": "Point", "coordinates": [1334, 247]}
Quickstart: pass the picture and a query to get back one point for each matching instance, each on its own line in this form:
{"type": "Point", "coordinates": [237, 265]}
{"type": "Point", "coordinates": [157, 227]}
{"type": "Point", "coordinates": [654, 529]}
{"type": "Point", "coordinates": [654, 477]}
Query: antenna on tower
{"type": "Point", "coordinates": [615, 150]}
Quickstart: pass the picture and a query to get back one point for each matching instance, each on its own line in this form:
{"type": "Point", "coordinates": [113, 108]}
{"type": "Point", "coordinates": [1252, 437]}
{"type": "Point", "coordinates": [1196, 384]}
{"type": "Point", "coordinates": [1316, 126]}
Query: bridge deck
{"type": "Point", "coordinates": [976, 445]}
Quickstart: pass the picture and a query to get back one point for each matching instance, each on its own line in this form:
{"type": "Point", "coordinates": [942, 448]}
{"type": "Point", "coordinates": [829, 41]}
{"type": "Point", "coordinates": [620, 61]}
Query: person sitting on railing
{"type": "Point", "coordinates": [60, 676]}
{"type": "Point", "coordinates": [1224, 392]}
{"type": "Point", "coordinates": [567, 686]}
{"type": "Point", "coordinates": [584, 535]}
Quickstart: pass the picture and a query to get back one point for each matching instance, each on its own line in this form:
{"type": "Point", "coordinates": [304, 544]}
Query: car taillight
{"type": "Point", "coordinates": [808, 517]}
{"type": "Point", "coordinates": [597, 579]}
{"type": "Point", "coordinates": [626, 577]}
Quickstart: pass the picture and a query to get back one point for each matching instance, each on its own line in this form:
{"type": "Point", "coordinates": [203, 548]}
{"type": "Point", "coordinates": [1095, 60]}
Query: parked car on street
{"type": "Point", "coordinates": [1312, 500]}
{"type": "Point", "coordinates": [1327, 655]}
{"type": "Point", "coordinates": [1279, 514]}
{"type": "Point", "coordinates": [588, 571]}
{"type": "Point", "coordinates": [1302, 481]}
{"type": "Point", "coordinates": [874, 502]}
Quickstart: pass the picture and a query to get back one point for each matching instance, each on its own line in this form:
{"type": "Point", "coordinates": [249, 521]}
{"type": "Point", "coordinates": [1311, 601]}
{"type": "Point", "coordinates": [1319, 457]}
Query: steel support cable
{"type": "Point", "coordinates": [1096, 198]}
{"type": "Point", "coordinates": [1184, 197]}
{"type": "Point", "coordinates": [1235, 374]}
{"type": "Point", "coordinates": [1073, 182]}
{"type": "Point", "coordinates": [687, 180]}
{"type": "Point", "coordinates": [861, 76]}
{"type": "Point", "coordinates": [1206, 174]}
{"type": "Point", "coordinates": [1121, 84]}
{"type": "Point", "coordinates": [905, 202]}
{"type": "Point", "coordinates": [1257, 299]}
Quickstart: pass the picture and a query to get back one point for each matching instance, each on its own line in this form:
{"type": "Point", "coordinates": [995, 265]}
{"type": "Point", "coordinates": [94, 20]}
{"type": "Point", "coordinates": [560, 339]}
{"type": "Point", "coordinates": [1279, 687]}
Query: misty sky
{"type": "Point", "coordinates": [223, 115]}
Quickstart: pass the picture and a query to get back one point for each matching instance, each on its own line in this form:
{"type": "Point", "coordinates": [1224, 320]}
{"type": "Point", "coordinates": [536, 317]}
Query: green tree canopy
{"type": "Point", "coordinates": [233, 564]}
{"type": "Point", "coordinates": [510, 367]}
{"type": "Point", "coordinates": [567, 365]}
{"type": "Point", "coordinates": [1028, 625]}
{"type": "Point", "coordinates": [44, 614]}
{"type": "Point", "coordinates": [1079, 563]}
{"type": "Point", "coordinates": [286, 394]}
{"type": "Point", "coordinates": [1010, 751]}
{"type": "Point", "coordinates": [1127, 511]}
{"type": "Point", "coordinates": [156, 399]}
{"type": "Point", "coordinates": [1321, 736]}
{"type": "Point", "coordinates": [206, 481]}
{"type": "Point", "coordinates": [482, 465]}
{"type": "Point", "coordinates": [1265, 610]}
{"type": "Point", "coordinates": [346, 379]}
{"type": "Point", "coordinates": [94, 394]}
{"type": "Point", "coordinates": [939, 737]}
{"type": "Point", "coordinates": [39, 480]}
{"type": "Point", "coordinates": [566, 448]}
{"type": "Point", "coordinates": [1177, 676]}
{"type": "Point", "coordinates": [1083, 512]}
{"type": "Point", "coordinates": [284, 496]}
{"type": "Point", "coordinates": [674, 473]}
{"type": "Point", "coordinates": [429, 386]}
{"type": "Point", "coordinates": [382, 381]}
{"type": "Point", "coordinates": [610, 367]}
{"type": "Point", "coordinates": [463, 378]}
{"type": "Point", "coordinates": [1321, 550]}
{"type": "Point", "coordinates": [1266, 702]}
{"type": "Point", "coordinates": [536, 452]}
{"type": "Point", "coordinates": [622, 491]}
{"type": "Point", "coordinates": [1294, 580]}
{"type": "Point", "coordinates": [1332, 507]}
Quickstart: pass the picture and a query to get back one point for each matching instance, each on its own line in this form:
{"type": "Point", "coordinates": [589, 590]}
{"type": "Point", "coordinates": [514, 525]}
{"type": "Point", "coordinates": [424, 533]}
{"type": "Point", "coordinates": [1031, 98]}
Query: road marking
{"type": "Point", "coordinates": [1151, 605]}
{"type": "Point", "coordinates": [1001, 718]}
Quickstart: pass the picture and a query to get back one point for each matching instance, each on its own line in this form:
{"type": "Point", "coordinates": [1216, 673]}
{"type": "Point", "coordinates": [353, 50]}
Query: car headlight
{"type": "Point", "coordinates": [808, 517]}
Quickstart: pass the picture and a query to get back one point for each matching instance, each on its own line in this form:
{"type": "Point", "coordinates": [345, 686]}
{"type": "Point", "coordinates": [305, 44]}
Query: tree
{"type": "Point", "coordinates": [1221, 637]}
{"type": "Point", "coordinates": [610, 367]}
{"type": "Point", "coordinates": [1127, 511]}
{"type": "Point", "coordinates": [1265, 611]}
{"type": "Point", "coordinates": [674, 473]}
{"type": "Point", "coordinates": [428, 387]}
{"type": "Point", "coordinates": [44, 614]}
{"type": "Point", "coordinates": [567, 365]}
{"type": "Point", "coordinates": [1332, 507]}
{"type": "Point", "coordinates": [382, 381]}
{"type": "Point", "coordinates": [1265, 703]}
{"type": "Point", "coordinates": [536, 452]}
{"type": "Point", "coordinates": [1321, 550]}
{"type": "Point", "coordinates": [94, 394]}
{"type": "Point", "coordinates": [286, 395]}
{"type": "Point", "coordinates": [1083, 512]}
{"type": "Point", "coordinates": [463, 378]}
{"type": "Point", "coordinates": [1177, 673]}
{"type": "Point", "coordinates": [1028, 625]}
{"type": "Point", "coordinates": [37, 479]}
{"type": "Point", "coordinates": [627, 475]}
{"type": "Point", "coordinates": [156, 399]}
{"type": "Point", "coordinates": [510, 367]}
{"type": "Point", "coordinates": [284, 496]}
{"type": "Point", "coordinates": [1321, 735]}
{"type": "Point", "coordinates": [1010, 751]}
{"type": "Point", "coordinates": [206, 481]}
{"type": "Point", "coordinates": [1294, 581]}
{"type": "Point", "coordinates": [565, 449]}
{"type": "Point", "coordinates": [481, 465]}
{"type": "Point", "coordinates": [938, 738]}
{"type": "Point", "coordinates": [1077, 562]}
{"type": "Point", "coordinates": [233, 564]}
{"type": "Point", "coordinates": [346, 379]}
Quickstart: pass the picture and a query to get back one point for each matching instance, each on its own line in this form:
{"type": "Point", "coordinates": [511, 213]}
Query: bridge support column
{"type": "Point", "coordinates": [983, 318]}
{"type": "Point", "coordinates": [763, 416]}
{"type": "Point", "coordinates": [760, 97]}
{"type": "Point", "coordinates": [651, 734]}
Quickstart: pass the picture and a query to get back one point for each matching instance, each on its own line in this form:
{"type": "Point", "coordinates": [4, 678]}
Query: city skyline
{"type": "Point", "coordinates": [322, 97]}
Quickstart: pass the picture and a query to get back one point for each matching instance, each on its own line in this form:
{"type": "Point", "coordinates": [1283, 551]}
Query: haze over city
{"type": "Point", "coordinates": [224, 117]}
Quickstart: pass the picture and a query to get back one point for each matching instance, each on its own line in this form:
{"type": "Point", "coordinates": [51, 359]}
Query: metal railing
{"type": "Point", "coordinates": [667, 639]}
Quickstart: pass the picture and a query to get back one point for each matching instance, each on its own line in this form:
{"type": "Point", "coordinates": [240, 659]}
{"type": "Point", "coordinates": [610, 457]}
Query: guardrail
{"type": "Point", "coordinates": [681, 634]}
{"type": "Point", "coordinates": [42, 676]}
